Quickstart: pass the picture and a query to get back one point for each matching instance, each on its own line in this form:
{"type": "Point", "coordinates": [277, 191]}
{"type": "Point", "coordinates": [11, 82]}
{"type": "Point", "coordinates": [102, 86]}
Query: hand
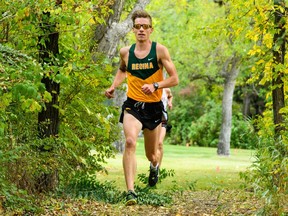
{"type": "Point", "coordinates": [148, 89]}
{"type": "Point", "coordinates": [109, 92]}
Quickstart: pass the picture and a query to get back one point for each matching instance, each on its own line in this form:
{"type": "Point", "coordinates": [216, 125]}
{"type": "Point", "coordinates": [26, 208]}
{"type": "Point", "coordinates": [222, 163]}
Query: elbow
{"type": "Point", "coordinates": [176, 81]}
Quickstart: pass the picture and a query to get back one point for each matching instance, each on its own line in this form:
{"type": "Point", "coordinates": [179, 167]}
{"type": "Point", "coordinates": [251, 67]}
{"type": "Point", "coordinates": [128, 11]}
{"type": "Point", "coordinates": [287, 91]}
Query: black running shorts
{"type": "Point", "coordinates": [149, 114]}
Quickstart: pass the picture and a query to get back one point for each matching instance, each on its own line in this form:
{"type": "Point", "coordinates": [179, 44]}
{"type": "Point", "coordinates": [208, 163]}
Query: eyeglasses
{"type": "Point", "coordinates": [144, 26]}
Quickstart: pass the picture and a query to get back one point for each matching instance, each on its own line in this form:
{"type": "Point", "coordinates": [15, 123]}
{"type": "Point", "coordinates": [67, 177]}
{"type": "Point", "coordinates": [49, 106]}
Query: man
{"type": "Point", "coordinates": [142, 64]}
{"type": "Point", "coordinates": [167, 98]}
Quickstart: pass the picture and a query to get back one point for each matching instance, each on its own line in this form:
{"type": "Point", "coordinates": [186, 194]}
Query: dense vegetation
{"type": "Point", "coordinates": [203, 43]}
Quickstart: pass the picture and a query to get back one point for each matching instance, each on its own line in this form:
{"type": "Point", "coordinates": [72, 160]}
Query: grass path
{"type": "Point", "coordinates": [196, 166]}
{"type": "Point", "coordinates": [215, 183]}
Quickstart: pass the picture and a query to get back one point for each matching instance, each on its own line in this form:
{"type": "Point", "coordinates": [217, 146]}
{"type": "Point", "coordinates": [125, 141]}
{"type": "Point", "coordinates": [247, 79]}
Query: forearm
{"type": "Point", "coordinates": [169, 82]}
{"type": "Point", "coordinates": [119, 78]}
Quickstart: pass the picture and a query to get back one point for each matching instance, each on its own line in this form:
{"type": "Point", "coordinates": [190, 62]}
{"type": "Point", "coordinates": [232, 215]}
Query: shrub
{"type": "Point", "coordinates": [268, 174]}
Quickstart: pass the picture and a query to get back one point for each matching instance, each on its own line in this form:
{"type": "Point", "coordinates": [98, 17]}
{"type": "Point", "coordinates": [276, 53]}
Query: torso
{"type": "Point", "coordinates": [143, 68]}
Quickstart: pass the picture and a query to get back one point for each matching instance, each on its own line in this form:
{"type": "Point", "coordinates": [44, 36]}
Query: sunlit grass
{"type": "Point", "coordinates": [199, 168]}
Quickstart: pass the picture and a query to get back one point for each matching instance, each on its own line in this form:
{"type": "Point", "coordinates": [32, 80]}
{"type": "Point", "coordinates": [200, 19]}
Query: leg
{"type": "Point", "coordinates": [132, 127]}
{"type": "Point", "coordinates": [161, 141]}
{"type": "Point", "coordinates": [151, 140]}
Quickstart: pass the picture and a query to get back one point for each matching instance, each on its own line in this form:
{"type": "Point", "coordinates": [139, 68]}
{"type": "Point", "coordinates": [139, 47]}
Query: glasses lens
{"type": "Point", "coordinates": [144, 26]}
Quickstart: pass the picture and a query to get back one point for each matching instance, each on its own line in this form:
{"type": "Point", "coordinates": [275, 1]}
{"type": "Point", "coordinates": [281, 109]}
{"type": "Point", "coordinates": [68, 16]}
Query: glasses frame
{"type": "Point", "coordinates": [144, 26]}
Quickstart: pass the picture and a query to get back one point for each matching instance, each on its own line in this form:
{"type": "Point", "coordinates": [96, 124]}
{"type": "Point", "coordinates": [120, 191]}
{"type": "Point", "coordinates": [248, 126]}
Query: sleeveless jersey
{"type": "Point", "coordinates": [143, 71]}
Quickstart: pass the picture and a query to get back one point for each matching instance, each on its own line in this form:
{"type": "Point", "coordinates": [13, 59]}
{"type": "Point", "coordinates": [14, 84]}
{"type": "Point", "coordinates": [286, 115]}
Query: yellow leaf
{"type": "Point", "coordinates": [27, 11]}
{"type": "Point", "coordinates": [260, 62]}
{"type": "Point", "coordinates": [91, 21]}
{"type": "Point", "coordinates": [268, 40]}
{"type": "Point", "coordinates": [35, 106]}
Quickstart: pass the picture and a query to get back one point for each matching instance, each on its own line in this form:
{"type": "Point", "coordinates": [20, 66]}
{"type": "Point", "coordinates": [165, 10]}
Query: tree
{"type": "Point", "coordinates": [279, 51]}
{"type": "Point", "coordinates": [230, 73]}
{"type": "Point", "coordinates": [109, 39]}
{"type": "Point", "coordinates": [207, 41]}
{"type": "Point", "coordinates": [268, 174]}
{"type": "Point", "coordinates": [69, 124]}
{"type": "Point", "coordinates": [48, 118]}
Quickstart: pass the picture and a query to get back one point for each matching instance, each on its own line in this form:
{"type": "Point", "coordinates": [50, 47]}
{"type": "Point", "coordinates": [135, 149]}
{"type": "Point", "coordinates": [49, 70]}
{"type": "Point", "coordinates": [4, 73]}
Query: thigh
{"type": "Point", "coordinates": [131, 126]}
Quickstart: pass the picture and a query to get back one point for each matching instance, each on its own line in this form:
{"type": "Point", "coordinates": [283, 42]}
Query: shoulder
{"type": "Point", "coordinates": [124, 50]}
{"type": "Point", "coordinates": [160, 47]}
{"type": "Point", "coordinates": [162, 50]}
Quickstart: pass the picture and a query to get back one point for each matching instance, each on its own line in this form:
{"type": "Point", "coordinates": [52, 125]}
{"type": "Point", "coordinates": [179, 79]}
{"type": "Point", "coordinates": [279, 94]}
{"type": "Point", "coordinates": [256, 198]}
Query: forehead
{"type": "Point", "coordinates": [142, 20]}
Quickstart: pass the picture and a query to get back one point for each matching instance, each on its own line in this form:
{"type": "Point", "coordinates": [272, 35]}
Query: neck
{"type": "Point", "coordinates": [143, 45]}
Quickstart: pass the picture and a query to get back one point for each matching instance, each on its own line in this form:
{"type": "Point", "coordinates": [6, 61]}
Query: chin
{"type": "Point", "coordinates": [142, 39]}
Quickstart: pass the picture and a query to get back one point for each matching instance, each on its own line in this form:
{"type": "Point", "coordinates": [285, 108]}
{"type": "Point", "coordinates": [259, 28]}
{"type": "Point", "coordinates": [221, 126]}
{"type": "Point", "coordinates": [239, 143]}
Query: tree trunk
{"type": "Point", "coordinates": [278, 54]}
{"type": "Point", "coordinates": [230, 72]}
{"type": "Point", "coordinates": [246, 104]}
{"type": "Point", "coordinates": [48, 118]}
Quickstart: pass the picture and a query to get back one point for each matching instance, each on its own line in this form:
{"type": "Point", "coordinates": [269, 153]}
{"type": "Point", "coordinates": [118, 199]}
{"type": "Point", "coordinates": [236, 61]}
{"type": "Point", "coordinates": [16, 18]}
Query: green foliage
{"type": "Point", "coordinates": [20, 81]}
{"type": "Point", "coordinates": [243, 134]}
{"type": "Point", "coordinates": [186, 109]}
{"type": "Point", "coordinates": [268, 175]}
{"type": "Point", "coordinates": [87, 186]}
{"type": "Point", "coordinates": [193, 53]}
{"type": "Point", "coordinates": [87, 125]}
{"type": "Point", "coordinates": [207, 40]}
{"type": "Point", "coordinates": [147, 195]}
{"type": "Point", "coordinates": [190, 124]}
{"type": "Point", "coordinates": [164, 173]}
{"type": "Point", "coordinates": [208, 124]}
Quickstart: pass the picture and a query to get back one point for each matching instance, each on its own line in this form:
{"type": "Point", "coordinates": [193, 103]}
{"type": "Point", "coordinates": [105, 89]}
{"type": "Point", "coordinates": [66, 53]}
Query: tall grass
{"type": "Point", "coordinates": [197, 168]}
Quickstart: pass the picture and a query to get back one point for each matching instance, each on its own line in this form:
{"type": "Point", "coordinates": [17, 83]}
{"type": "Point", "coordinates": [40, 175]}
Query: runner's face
{"type": "Point", "coordinates": [143, 33]}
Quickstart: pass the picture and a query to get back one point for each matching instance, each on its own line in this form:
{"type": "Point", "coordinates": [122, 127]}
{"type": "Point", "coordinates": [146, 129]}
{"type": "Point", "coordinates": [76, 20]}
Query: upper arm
{"type": "Point", "coordinates": [123, 58]}
{"type": "Point", "coordinates": [165, 60]}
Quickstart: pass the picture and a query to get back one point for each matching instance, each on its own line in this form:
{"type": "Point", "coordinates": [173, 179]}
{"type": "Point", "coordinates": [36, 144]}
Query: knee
{"type": "Point", "coordinates": [160, 146]}
{"type": "Point", "coordinates": [130, 143]}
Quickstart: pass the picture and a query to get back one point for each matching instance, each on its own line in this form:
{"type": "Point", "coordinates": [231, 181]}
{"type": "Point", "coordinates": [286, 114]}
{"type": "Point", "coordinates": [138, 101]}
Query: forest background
{"type": "Point", "coordinates": [58, 57]}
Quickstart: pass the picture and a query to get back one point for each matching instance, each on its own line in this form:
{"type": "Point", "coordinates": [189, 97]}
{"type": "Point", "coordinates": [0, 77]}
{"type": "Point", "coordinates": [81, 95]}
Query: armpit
{"type": "Point", "coordinates": [123, 68]}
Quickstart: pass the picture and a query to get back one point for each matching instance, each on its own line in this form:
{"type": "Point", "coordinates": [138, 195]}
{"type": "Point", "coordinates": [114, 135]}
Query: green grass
{"type": "Point", "coordinates": [195, 167]}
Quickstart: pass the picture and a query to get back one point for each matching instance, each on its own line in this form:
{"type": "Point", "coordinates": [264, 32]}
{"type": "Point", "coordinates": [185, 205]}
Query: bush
{"type": "Point", "coordinates": [204, 131]}
{"type": "Point", "coordinates": [243, 134]}
{"type": "Point", "coordinates": [87, 186]}
{"type": "Point", "coordinates": [268, 174]}
{"type": "Point", "coordinates": [87, 127]}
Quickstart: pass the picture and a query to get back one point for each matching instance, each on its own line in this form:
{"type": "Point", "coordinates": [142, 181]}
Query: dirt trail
{"type": "Point", "coordinates": [188, 203]}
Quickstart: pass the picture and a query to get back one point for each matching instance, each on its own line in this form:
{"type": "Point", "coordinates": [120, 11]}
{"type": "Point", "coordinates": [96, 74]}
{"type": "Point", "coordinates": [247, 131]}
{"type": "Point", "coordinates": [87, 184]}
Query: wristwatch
{"type": "Point", "coordinates": [156, 85]}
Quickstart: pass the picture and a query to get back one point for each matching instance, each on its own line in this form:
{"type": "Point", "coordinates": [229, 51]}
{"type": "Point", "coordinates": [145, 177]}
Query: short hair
{"type": "Point", "coordinates": [141, 14]}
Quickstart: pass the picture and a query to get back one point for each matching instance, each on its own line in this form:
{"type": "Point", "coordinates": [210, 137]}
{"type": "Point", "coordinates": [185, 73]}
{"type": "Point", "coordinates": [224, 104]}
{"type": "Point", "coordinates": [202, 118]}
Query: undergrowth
{"type": "Point", "coordinates": [89, 187]}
